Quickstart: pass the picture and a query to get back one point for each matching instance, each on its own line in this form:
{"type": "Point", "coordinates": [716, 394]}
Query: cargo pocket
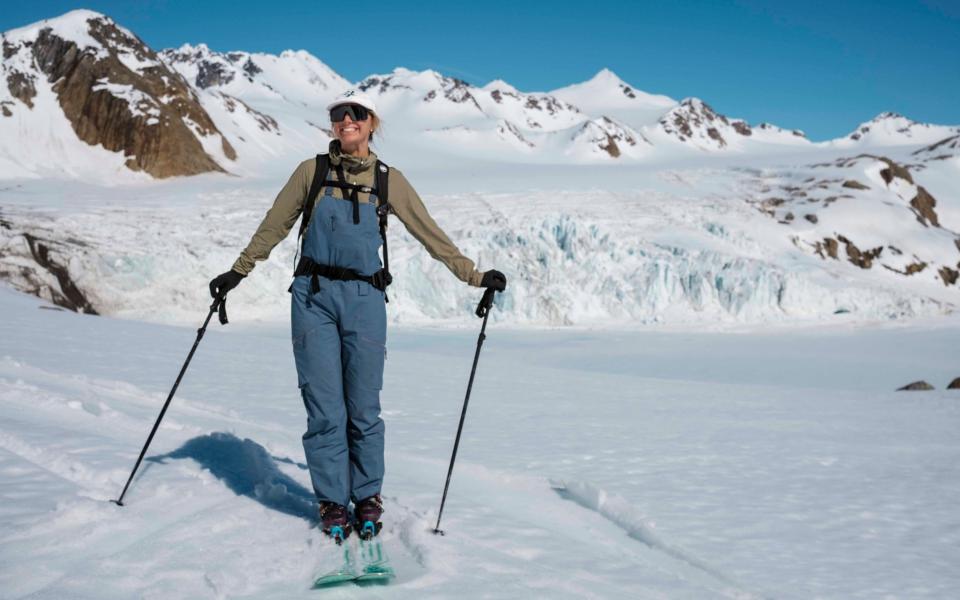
{"type": "Point", "coordinates": [300, 357]}
{"type": "Point", "coordinates": [373, 354]}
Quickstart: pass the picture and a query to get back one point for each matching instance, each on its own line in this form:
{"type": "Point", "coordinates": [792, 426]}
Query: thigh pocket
{"type": "Point", "coordinates": [373, 353]}
{"type": "Point", "coordinates": [300, 355]}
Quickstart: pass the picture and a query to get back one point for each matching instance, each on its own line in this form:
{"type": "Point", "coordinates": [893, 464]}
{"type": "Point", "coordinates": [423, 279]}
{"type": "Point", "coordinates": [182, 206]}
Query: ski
{"type": "Point", "coordinates": [374, 563]}
{"type": "Point", "coordinates": [346, 572]}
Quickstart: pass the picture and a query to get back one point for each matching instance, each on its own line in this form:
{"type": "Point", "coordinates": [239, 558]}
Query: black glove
{"type": "Point", "coordinates": [494, 279]}
{"type": "Point", "coordinates": [221, 284]}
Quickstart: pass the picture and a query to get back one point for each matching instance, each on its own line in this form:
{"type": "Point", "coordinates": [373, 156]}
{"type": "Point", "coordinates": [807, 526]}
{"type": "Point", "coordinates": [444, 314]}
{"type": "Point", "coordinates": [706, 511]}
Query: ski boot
{"type": "Point", "coordinates": [335, 521]}
{"type": "Point", "coordinates": [367, 516]}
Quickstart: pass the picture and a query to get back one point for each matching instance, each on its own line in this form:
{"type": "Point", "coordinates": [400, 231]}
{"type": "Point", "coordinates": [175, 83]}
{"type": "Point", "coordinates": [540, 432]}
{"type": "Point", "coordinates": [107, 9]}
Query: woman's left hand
{"type": "Point", "coordinates": [494, 279]}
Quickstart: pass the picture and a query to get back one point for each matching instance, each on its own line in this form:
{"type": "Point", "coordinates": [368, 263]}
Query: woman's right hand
{"type": "Point", "coordinates": [221, 284]}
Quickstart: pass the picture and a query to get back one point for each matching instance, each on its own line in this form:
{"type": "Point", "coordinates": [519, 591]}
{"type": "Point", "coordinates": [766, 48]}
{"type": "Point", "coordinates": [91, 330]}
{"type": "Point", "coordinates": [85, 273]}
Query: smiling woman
{"type": "Point", "coordinates": [354, 122]}
{"type": "Point", "coordinates": [338, 312]}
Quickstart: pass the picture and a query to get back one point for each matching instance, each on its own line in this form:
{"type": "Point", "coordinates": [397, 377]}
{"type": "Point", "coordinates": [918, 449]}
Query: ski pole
{"type": "Point", "coordinates": [218, 304]}
{"type": "Point", "coordinates": [483, 310]}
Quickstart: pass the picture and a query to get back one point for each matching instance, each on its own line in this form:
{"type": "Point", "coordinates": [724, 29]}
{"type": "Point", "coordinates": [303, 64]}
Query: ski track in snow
{"type": "Point", "coordinates": [740, 465]}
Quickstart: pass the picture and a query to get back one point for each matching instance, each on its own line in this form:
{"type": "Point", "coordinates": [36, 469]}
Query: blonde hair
{"type": "Point", "coordinates": [375, 124]}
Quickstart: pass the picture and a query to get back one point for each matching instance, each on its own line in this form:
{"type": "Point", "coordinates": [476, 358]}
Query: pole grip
{"type": "Point", "coordinates": [486, 302]}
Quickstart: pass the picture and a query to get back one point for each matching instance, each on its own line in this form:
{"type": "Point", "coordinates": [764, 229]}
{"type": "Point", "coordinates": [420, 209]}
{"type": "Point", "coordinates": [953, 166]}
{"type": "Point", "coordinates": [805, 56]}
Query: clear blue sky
{"type": "Point", "coordinates": [819, 66]}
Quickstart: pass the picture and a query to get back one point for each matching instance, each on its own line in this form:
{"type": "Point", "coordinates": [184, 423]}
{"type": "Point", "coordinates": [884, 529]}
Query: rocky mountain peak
{"type": "Point", "coordinates": [694, 119]}
{"type": "Point", "coordinates": [890, 128]}
{"type": "Point", "coordinates": [114, 90]}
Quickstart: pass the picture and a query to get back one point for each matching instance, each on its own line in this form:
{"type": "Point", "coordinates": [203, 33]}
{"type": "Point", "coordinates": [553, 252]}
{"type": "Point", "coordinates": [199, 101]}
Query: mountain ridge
{"type": "Point", "coordinates": [237, 111]}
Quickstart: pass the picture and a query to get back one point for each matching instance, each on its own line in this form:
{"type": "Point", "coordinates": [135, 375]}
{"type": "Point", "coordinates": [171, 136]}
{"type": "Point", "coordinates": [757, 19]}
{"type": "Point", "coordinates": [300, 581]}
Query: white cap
{"type": "Point", "coordinates": [353, 96]}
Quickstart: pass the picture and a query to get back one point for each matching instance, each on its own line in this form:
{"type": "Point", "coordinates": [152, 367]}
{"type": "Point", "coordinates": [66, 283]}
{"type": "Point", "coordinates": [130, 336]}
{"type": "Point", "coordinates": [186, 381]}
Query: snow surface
{"type": "Point", "coordinates": [605, 93]}
{"type": "Point", "coordinates": [593, 465]}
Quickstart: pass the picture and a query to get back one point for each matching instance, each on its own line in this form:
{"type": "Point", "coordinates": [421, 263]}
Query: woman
{"type": "Point", "coordinates": [338, 317]}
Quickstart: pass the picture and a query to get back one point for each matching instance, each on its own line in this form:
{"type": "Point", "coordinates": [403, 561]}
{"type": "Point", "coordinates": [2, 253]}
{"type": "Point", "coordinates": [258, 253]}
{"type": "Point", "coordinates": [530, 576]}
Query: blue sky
{"type": "Point", "coordinates": [819, 66]}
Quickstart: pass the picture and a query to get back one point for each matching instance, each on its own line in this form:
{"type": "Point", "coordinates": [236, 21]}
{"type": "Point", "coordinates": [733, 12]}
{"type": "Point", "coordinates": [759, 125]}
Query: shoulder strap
{"type": "Point", "coordinates": [382, 176]}
{"type": "Point", "coordinates": [319, 174]}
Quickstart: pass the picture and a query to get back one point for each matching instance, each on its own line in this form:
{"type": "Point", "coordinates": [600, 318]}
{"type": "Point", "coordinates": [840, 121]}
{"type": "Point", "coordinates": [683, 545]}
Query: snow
{"type": "Point", "coordinates": [134, 63]}
{"type": "Point", "coordinates": [677, 397]}
{"type": "Point", "coordinates": [588, 247]}
{"type": "Point", "coordinates": [70, 26]}
{"type": "Point", "coordinates": [278, 115]}
{"type": "Point", "coordinates": [606, 93]}
{"type": "Point", "coordinates": [893, 129]}
{"type": "Point", "coordinates": [499, 84]}
{"type": "Point", "coordinates": [597, 465]}
{"type": "Point", "coordinates": [41, 143]}
{"type": "Point", "coordinates": [140, 103]}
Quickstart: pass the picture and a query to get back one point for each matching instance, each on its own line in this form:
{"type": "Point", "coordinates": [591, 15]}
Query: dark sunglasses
{"type": "Point", "coordinates": [356, 112]}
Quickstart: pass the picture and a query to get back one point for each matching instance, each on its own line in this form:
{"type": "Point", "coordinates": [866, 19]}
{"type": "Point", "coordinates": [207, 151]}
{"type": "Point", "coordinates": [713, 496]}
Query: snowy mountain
{"type": "Point", "coordinates": [253, 113]}
{"type": "Point", "coordinates": [605, 93]}
{"type": "Point", "coordinates": [946, 149]}
{"type": "Point", "coordinates": [82, 90]}
{"type": "Point", "coordinates": [892, 129]}
{"type": "Point", "coordinates": [270, 107]}
{"type": "Point", "coordinates": [867, 210]}
{"type": "Point", "coordinates": [693, 122]}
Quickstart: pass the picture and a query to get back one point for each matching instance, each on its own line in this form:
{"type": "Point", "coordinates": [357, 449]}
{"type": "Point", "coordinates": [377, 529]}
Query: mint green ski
{"type": "Point", "coordinates": [345, 573]}
{"type": "Point", "coordinates": [374, 564]}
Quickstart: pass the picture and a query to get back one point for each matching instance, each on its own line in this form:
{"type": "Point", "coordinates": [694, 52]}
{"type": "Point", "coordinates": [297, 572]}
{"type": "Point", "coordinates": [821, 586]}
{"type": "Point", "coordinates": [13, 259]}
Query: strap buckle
{"type": "Point", "coordinates": [381, 279]}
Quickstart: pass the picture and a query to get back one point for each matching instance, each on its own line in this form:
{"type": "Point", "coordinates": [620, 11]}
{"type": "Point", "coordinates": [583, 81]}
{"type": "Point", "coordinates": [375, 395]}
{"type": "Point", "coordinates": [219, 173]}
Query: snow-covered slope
{"type": "Point", "coordinates": [695, 124]}
{"type": "Point", "coordinates": [252, 113]}
{"type": "Point", "coordinates": [592, 465]}
{"type": "Point", "coordinates": [867, 210]}
{"type": "Point", "coordinates": [606, 94]}
{"type": "Point", "coordinates": [271, 107]}
{"type": "Point", "coordinates": [892, 129]}
{"type": "Point", "coordinates": [84, 97]}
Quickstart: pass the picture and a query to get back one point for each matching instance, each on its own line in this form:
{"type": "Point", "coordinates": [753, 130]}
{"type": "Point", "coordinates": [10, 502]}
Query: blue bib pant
{"type": "Point", "coordinates": [339, 336]}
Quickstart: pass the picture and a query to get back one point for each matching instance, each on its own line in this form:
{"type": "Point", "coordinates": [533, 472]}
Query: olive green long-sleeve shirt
{"type": "Point", "coordinates": [404, 202]}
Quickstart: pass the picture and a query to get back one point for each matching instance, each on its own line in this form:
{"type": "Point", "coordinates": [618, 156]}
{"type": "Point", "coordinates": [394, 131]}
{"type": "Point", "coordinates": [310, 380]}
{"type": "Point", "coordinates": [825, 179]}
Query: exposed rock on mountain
{"type": "Point", "coordinates": [295, 76]}
{"type": "Point", "coordinates": [246, 111]}
{"type": "Point", "coordinates": [890, 128]}
{"type": "Point", "coordinates": [39, 264]}
{"type": "Point", "coordinates": [945, 149]}
{"type": "Point", "coordinates": [606, 135]}
{"type": "Point", "coordinates": [429, 83]}
{"type": "Point", "coordinates": [509, 130]}
{"type": "Point", "coordinates": [115, 92]}
{"type": "Point", "coordinates": [606, 94]}
{"type": "Point", "coordinates": [694, 119]}
{"type": "Point", "coordinates": [695, 123]}
{"type": "Point", "coordinates": [880, 223]}
{"type": "Point", "coordinates": [265, 122]}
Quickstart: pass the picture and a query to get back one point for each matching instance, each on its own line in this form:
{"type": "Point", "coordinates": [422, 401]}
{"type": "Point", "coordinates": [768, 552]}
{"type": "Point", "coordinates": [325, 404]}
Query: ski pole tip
{"type": "Point", "coordinates": [117, 502]}
{"type": "Point", "coordinates": [438, 531]}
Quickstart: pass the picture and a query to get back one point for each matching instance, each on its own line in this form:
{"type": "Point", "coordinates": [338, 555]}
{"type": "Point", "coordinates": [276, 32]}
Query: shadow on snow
{"type": "Point", "coordinates": [249, 470]}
